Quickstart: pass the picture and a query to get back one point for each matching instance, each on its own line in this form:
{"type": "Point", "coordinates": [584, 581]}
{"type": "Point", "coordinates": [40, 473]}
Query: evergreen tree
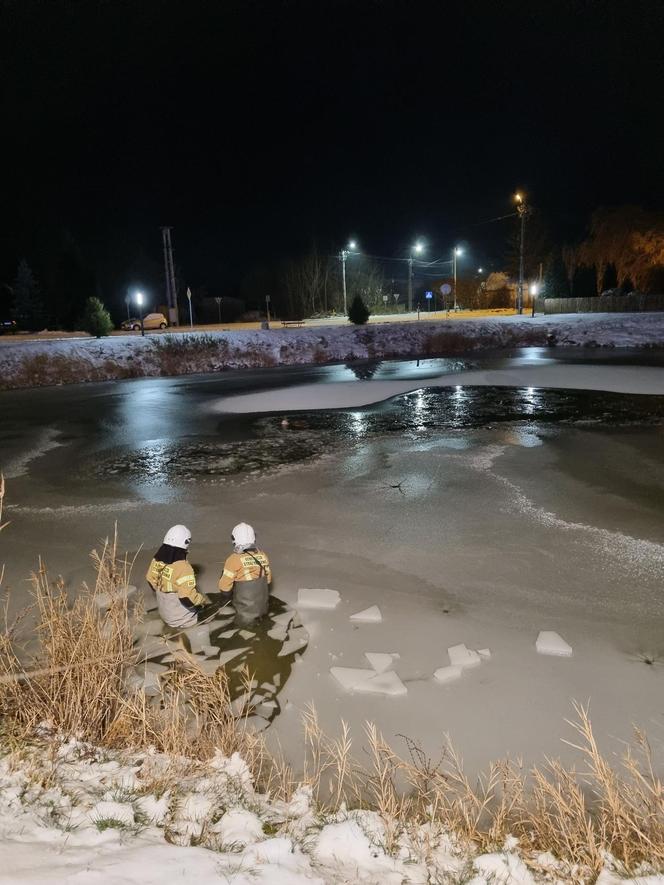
{"type": "Point", "coordinates": [556, 283]}
{"type": "Point", "coordinates": [28, 306]}
{"type": "Point", "coordinates": [97, 320]}
{"type": "Point", "coordinates": [358, 312]}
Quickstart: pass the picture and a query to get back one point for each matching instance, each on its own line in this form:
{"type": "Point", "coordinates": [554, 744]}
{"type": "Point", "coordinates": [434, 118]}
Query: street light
{"type": "Point", "coordinates": [139, 302]}
{"type": "Point", "coordinates": [455, 254]}
{"type": "Point", "coordinates": [352, 247]}
{"type": "Point", "coordinates": [522, 209]}
{"type": "Point", "coordinates": [417, 248]}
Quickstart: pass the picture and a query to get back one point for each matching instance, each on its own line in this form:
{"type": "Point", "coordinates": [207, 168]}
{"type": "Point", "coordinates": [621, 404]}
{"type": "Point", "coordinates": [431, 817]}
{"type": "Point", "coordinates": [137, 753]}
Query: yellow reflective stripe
{"type": "Point", "coordinates": [228, 574]}
{"type": "Point", "coordinates": [186, 579]}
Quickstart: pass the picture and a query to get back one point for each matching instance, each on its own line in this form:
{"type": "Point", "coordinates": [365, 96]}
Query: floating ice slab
{"type": "Point", "coordinates": [550, 643]}
{"type": "Point", "coordinates": [484, 653]}
{"type": "Point", "coordinates": [383, 683]}
{"type": "Point", "coordinates": [350, 677]}
{"type": "Point", "coordinates": [211, 651]}
{"type": "Point", "coordinates": [463, 657]}
{"type": "Point", "coordinates": [199, 637]}
{"type": "Point", "coordinates": [227, 656]}
{"type": "Point", "coordinates": [247, 634]}
{"type": "Point", "coordinates": [228, 634]}
{"type": "Point", "coordinates": [369, 615]}
{"type": "Point", "coordinates": [292, 645]}
{"type": "Point", "coordinates": [379, 661]}
{"type": "Point", "coordinates": [284, 618]}
{"type": "Point", "coordinates": [447, 674]}
{"type": "Point", "coordinates": [279, 633]}
{"type": "Point", "coordinates": [308, 598]}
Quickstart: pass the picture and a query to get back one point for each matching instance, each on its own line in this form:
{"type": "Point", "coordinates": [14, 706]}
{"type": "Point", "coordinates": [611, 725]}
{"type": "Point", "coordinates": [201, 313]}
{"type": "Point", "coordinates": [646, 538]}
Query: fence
{"type": "Point", "coordinates": [604, 304]}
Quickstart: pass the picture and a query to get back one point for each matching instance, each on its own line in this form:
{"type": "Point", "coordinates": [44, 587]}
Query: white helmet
{"type": "Point", "coordinates": [178, 536]}
{"type": "Point", "coordinates": [243, 535]}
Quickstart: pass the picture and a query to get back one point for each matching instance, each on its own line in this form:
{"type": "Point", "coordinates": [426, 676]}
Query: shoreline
{"type": "Point", "coordinates": [29, 364]}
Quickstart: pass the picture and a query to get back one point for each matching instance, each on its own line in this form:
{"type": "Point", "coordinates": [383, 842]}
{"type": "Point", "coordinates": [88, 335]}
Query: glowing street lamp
{"type": "Point", "coordinates": [139, 303]}
{"type": "Point", "coordinates": [416, 249]}
{"type": "Point", "coordinates": [522, 209]}
{"type": "Point", "coordinates": [351, 248]}
{"type": "Point", "coordinates": [455, 254]}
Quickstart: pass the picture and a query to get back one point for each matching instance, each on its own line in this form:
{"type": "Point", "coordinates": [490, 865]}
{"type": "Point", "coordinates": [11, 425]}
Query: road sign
{"type": "Point", "coordinates": [428, 295]}
{"type": "Point", "coordinates": [445, 289]}
{"type": "Point", "coordinates": [395, 295]}
{"type": "Point", "coordinates": [189, 294]}
{"type": "Point", "coordinates": [267, 297]}
{"type": "Point", "coordinates": [384, 299]}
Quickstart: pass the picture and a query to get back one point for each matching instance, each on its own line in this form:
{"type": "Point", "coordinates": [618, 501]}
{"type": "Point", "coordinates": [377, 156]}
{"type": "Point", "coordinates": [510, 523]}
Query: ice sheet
{"type": "Point", "coordinates": [551, 643]}
{"type": "Point", "coordinates": [463, 657]}
{"type": "Point", "coordinates": [379, 661]}
{"type": "Point", "coordinates": [371, 615]}
{"type": "Point", "coordinates": [313, 598]}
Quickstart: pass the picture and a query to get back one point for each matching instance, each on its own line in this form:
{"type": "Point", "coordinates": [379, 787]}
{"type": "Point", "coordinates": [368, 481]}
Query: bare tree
{"type": "Point", "coordinates": [629, 238]}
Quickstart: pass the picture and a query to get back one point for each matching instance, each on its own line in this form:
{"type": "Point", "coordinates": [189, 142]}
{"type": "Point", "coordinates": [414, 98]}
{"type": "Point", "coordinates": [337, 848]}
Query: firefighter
{"type": "Point", "coordinates": [246, 576]}
{"type": "Point", "coordinates": [173, 580]}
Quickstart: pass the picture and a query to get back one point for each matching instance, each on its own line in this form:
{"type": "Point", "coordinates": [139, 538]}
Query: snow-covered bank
{"type": "Point", "coordinates": [42, 363]}
{"type": "Point", "coordinates": [72, 813]}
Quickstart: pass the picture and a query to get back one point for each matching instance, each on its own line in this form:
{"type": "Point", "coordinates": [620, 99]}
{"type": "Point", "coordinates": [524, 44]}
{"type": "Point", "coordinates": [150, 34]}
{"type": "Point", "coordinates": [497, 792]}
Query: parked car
{"type": "Point", "coordinates": [150, 321]}
{"type": "Point", "coordinates": [7, 326]}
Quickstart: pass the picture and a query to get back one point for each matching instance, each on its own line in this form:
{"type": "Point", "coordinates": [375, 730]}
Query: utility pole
{"type": "Point", "coordinates": [410, 286]}
{"type": "Point", "coordinates": [522, 209]}
{"type": "Point", "coordinates": [344, 256]}
{"type": "Point", "coordinates": [169, 268]}
{"type": "Point", "coordinates": [455, 253]}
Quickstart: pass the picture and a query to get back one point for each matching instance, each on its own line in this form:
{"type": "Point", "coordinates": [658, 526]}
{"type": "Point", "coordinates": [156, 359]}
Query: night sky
{"type": "Point", "coordinates": [255, 128]}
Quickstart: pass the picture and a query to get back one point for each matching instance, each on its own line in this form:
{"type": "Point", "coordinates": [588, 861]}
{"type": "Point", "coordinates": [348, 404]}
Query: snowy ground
{"type": "Point", "coordinates": [37, 363]}
{"type": "Point", "coordinates": [71, 814]}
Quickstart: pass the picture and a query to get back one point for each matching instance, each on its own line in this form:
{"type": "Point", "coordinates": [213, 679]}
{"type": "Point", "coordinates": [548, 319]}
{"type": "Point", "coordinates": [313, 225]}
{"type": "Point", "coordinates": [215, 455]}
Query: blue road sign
{"type": "Point", "coordinates": [428, 294]}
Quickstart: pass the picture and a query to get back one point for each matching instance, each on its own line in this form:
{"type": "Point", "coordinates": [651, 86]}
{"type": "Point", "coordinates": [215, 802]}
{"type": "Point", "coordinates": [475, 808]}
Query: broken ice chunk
{"type": "Point", "coordinates": [550, 643]}
{"type": "Point", "coordinates": [228, 634]}
{"type": "Point", "coordinates": [484, 653]}
{"type": "Point", "coordinates": [284, 618]}
{"type": "Point", "coordinates": [247, 634]}
{"type": "Point", "coordinates": [349, 677]}
{"type": "Point", "coordinates": [292, 645]}
{"type": "Point", "coordinates": [199, 637]}
{"type": "Point", "coordinates": [308, 598]}
{"type": "Point", "coordinates": [460, 656]}
{"type": "Point", "coordinates": [227, 656]}
{"type": "Point", "coordinates": [383, 683]}
{"type": "Point", "coordinates": [447, 674]}
{"type": "Point", "coordinates": [369, 615]}
{"type": "Point", "coordinates": [380, 661]}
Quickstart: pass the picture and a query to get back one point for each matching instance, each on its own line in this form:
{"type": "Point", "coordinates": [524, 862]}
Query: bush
{"type": "Point", "coordinates": [97, 320]}
{"type": "Point", "coordinates": [359, 312]}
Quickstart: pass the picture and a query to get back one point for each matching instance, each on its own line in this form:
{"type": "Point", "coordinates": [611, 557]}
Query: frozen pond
{"type": "Point", "coordinates": [476, 515]}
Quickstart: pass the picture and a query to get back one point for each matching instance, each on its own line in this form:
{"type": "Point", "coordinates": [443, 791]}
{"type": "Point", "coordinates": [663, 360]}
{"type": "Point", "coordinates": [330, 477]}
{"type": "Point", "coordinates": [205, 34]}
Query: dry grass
{"type": "Point", "coordinates": [75, 681]}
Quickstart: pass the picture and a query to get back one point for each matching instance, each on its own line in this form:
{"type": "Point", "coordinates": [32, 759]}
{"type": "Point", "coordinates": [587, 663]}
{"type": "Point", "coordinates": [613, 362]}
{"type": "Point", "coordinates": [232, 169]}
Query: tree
{"type": "Point", "coordinates": [28, 305]}
{"type": "Point", "coordinates": [306, 282]}
{"type": "Point", "coordinates": [358, 312]}
{"type": "Point", "coordinates": [97, 320]}
{"type": "Point", "coordinates": [629, 238]}
{"type": "Point", "coordinates": [556, 282]}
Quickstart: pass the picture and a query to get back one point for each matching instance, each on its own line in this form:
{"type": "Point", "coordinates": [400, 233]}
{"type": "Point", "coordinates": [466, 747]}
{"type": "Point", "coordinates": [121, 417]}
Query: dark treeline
{"type": "Point", "coordinates": [48, 285]}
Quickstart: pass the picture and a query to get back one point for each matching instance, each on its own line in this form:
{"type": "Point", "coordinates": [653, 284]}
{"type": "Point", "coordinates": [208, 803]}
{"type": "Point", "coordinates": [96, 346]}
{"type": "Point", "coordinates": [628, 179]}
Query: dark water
{"type": "Point", "coordinates": [262, 444]}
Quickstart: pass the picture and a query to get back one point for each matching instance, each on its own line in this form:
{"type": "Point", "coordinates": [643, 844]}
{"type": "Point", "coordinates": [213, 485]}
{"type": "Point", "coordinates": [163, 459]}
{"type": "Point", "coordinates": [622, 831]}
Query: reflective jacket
{"type": "Point", "coordinates": [247, 566]}
{"type": "Point", "coordinates": [177, 596]}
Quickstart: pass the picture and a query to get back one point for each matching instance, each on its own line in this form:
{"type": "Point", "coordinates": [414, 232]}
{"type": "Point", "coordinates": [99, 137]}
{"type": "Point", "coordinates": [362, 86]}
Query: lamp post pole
{"type": "Point", "coordinates": [348, 250]}
{"type": "Point", "coordinates": [522, 209]}
{"type": "Point", "coordinates": [417, 248]}
{"type": "Point", "coordinates": [139, 302]}
{"type": "Point", "coordinates": [344, 255]}
{"type": "Point", "coordinates": [457, 251]}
